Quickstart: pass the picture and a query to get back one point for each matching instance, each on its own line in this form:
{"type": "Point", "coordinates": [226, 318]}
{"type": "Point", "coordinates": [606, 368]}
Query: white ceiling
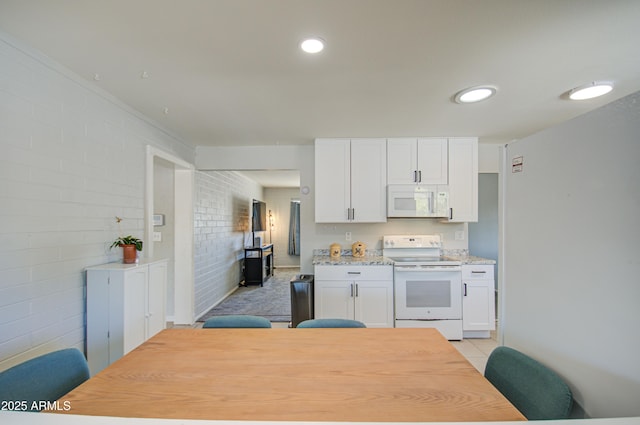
{"type": "Point", "coordinates": [230, 71]}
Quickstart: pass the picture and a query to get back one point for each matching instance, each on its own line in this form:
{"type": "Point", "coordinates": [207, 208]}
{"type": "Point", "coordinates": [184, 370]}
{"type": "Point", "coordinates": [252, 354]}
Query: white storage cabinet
{"type": "Point", "coordinates": [125, 307]}
{"type": "Point", "coordinates": [350, 180]}
{"type": "Point", "coordinates": [463, 179]}
{"type": "Point", "coordinates": [417, 161]}
{"type": "Point", "coordinates": [478, 301]}
{"type": "Point", "coordinates": [363, 293]}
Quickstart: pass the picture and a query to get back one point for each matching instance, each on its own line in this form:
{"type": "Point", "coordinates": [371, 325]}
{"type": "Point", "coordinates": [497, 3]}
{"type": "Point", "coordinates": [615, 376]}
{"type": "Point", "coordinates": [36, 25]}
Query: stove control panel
{"type": "Point", "coordinates": [411, 241]}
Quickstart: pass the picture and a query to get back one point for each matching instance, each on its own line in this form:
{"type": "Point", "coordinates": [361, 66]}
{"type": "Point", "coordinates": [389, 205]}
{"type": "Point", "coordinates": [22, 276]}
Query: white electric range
{"type": "Point", "coordinates": [428, 287]}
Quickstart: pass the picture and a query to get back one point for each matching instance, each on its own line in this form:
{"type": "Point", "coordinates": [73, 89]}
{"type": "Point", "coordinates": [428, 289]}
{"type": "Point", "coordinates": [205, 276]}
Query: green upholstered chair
{"type": "Point", "coordinates": [331, 323]}
{"type": "Point", "coordinates": [44, 378]}
{"type": "Point", "coordinates": [237, 321]}
{"type": "Point", "coordinates": [535, 390]}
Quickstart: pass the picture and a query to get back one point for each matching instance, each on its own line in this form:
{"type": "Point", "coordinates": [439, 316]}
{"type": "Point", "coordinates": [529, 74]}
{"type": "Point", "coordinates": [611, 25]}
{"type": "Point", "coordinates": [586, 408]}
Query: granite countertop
{"type": "Point", "coordinates": [379, 260]}
{"type": "Point", "coordinates": [348, 260]}
{"type": "Point", "coordinates": [374, 257]}
{"type": "Point", "coordinates": [471, 259]}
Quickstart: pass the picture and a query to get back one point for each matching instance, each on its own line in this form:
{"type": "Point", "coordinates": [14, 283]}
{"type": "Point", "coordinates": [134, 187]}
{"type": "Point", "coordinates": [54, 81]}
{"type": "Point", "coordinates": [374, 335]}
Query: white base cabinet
{"type": "Point", "coordinates": [363, 293]}
{"type": "Point", "coordinates": [478, 301]}
{"type": "Point", "coordinates": [125, 307]}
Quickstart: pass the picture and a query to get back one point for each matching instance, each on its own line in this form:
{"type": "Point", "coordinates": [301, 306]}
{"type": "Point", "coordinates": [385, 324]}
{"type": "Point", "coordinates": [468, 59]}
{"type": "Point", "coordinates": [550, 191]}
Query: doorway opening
{"type": "Point", "coordinates": [169, 193]}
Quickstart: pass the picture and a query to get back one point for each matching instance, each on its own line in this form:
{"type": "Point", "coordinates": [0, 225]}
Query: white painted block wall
{"type": "Point", "coordinates": [221, 222]}
{"type": "Point", "coordinates": [72, 158]}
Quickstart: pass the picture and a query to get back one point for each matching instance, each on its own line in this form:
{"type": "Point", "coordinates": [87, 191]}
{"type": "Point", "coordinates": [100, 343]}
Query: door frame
{"type": "Point", "coordinates": [183, 248]}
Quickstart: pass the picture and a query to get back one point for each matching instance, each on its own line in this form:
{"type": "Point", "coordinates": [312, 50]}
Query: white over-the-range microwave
{"type": "Point", "coordinates": [407, 201]}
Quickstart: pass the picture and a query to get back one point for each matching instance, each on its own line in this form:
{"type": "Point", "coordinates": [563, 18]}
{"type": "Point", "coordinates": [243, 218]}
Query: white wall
{"type": "Point", "coordinates": [221, 222]}
{"type": "Point", "coordinates": [73, 158]}
{"type": "Point", "coordinates": [164, 203]}
{"type": "Point", "coordinates": [279, 204]}
{"type": "Point", "coordinates": [489, 157]}
{"type": "Point", "coordinates": [572, 268]}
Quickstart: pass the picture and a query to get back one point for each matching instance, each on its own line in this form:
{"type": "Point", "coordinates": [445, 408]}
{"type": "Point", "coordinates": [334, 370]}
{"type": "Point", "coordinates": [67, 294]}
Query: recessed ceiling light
{"type": "Point", "coordinates": [589, 91]}
{"type": "Point", "coordinates": [312, 45]}
{"type": "Point", "coordinates": [475, 94]}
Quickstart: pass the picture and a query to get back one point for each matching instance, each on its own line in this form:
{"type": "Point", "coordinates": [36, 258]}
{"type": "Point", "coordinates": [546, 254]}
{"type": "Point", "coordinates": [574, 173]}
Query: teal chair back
{"type": "Point", "coordinates": [535, 390]}
{"type": "Point", "coordinates": [237, 321]}
{"type": "Point", "coordinates": [44, 378]}
{"type": "Point", "coordinates": [331, 323]}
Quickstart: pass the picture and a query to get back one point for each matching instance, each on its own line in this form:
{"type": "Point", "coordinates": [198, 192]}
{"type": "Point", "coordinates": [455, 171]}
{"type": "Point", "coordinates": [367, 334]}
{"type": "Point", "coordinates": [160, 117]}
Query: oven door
{"type": "Point", "coordinates": [428, 292]}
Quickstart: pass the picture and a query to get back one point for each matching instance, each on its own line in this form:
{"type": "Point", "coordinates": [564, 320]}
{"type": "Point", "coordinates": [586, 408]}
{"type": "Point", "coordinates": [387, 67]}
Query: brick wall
{"type": "Point", "coordinates": [72, 158]}
{"type": "Point", "coordinates": [221, 222]}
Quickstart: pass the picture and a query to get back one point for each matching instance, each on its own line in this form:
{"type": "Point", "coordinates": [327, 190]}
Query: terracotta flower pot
{"type": "Point", "coordinates": [129, 254]}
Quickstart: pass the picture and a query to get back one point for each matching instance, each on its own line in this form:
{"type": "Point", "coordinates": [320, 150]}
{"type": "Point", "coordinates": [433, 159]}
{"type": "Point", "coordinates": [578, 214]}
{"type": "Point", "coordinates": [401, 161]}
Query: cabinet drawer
{"type": "Point", "coordinates": [480, 271]}
{"type": "Point", "coordinates": [353, 272]}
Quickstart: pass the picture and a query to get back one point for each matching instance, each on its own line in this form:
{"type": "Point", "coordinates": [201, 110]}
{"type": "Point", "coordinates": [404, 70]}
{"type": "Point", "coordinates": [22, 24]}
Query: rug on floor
{"type": "Point", "coordinates": [272, 301]}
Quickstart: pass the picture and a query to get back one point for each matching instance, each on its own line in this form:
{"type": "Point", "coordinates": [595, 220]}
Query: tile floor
{"type": "Point", "coordinates": [477, 350]}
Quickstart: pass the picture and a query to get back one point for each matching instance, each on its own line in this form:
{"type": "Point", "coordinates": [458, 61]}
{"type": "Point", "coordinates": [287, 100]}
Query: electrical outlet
{"type": "Point", "coordinates": [347, 236]}
{"type": "Point", "coordinates": [460, 235]}
{"type": "Point", "coordinates": [157, 236]}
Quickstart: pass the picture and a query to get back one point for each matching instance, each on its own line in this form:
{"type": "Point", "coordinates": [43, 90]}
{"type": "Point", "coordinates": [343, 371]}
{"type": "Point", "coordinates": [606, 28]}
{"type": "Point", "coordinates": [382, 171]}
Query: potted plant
{"type": "Point", "coordinates": [129, 246]}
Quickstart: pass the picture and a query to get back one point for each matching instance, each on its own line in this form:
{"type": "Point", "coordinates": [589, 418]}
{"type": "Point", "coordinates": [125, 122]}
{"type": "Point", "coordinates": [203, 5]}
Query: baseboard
{"type": "Point", "coordinates": [224, 297]}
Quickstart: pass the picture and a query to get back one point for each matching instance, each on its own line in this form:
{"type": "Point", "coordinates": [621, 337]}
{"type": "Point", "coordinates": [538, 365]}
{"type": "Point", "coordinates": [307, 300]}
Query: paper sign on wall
{"type": "Point", "coordinates": [516, 164]}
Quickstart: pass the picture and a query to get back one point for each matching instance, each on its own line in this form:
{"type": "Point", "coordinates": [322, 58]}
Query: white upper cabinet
{"type": "Point", "coordinates": [350, 180]}
{"type": "Point", "coordinates": [463, 179]}
{"type": "Point", "coordinates": [417, 161]}
{"type": "Point", "coordinates": [351, 175]}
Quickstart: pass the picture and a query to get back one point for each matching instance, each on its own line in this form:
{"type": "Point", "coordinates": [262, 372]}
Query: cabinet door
{"type": "Point", "coordinates": [432, 161]}
{"type": "Point", "coordinates": [374, 303]}
{"type": "Point", "coordinates": [156, 298]}
{"type": "Point", "coordinates": [333, 299]}
{"type": "Point", "coordinates": [478, 313]}
{"type": "Point", "coordinates": [368, 180]}
{"type": "Point", "coordinates": [402, 161]}
{"type": "Point", "coordinates": [463, 179]}
{"type": "Point", "coordinates": [332, 180]}
{"type": "Point", "coordinates": [98, 320]}
{"type": "Point", "coordinates": [135, 295]}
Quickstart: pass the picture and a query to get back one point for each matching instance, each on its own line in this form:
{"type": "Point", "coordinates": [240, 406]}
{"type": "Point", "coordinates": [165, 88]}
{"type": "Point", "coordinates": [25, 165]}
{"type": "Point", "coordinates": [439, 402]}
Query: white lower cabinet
{"type": "Point", "coordinates": [363, 293]}
{"type": "Point", "coordinates": [125, 307]}
{"type": "Point", "coordinates": [478, 301]}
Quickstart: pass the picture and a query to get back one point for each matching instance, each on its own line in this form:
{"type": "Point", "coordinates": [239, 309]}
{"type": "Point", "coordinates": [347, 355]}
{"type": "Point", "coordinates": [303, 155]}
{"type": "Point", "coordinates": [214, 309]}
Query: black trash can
{"type": "Point", "coordinates": [301, 299]}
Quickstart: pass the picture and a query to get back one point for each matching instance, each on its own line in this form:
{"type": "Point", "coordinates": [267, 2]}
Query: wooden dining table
{"type": "Point", "coordinates": [354, 375]}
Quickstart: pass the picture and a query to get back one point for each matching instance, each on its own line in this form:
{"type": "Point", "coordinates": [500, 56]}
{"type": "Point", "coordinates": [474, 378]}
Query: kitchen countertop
{"type": "Point", "coordinates": [471, 259]}
{"type": "Point", "coordinates": [379, 260]}
{"type": "Point", "coordinates": [348, 260]}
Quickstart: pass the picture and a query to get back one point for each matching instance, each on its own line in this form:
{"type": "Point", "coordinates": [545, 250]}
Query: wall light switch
{"type": "Point", "coordinates": [157, 236]}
